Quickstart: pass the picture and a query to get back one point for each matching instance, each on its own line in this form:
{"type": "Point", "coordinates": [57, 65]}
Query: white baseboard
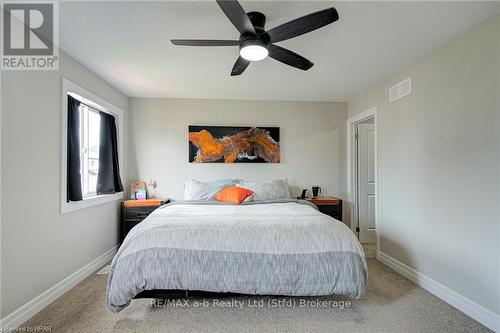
{"type": "Point", "coordinates": [462, 303]}
{"type": "Point", "coordinates": [28, 310]}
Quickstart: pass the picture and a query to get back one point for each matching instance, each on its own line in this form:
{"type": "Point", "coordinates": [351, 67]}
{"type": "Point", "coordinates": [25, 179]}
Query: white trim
{"type": "Point", "coordinates": [362, 116]}
{"type": "Point", "coordinates": [1, 186]}
{"type": "Point", "coordinates": [69, 86]}
{"type": "Point", "coordinates": [28, 310]}
{"type": "Point", "coordinates": [351, 188]}
{"type": "Point", "coordinates": [462, 303]}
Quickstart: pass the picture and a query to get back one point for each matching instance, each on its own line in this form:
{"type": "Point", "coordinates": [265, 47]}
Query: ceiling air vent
{"type": "Point", "coordinates": [400, 90]}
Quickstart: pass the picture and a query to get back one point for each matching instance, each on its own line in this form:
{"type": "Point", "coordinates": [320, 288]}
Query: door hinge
{"type": "Point", "coordinates": [357, 229]}
{"type": "Point", "coordinates": [356, 136]}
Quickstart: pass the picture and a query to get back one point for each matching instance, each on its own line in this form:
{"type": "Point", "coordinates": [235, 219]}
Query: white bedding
{"type": "Point", "coordinates": [276, 248]}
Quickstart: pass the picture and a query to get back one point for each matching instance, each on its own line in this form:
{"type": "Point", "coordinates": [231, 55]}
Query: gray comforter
{"type": "Point", "coordinates": [267, 248]}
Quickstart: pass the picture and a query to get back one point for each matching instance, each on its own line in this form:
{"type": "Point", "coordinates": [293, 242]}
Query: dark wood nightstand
{"type": "Point", "coordinates": [329, 206]}
{"type": "Point", "coordinates": [133, 212]}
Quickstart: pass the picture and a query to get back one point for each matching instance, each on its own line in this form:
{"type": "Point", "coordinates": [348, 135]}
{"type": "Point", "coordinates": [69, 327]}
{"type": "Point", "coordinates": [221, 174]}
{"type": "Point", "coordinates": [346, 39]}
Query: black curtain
{"type": "Point", "coordinates": [108, 177]}
{"type": "Point", "coordinates": [74, 178]}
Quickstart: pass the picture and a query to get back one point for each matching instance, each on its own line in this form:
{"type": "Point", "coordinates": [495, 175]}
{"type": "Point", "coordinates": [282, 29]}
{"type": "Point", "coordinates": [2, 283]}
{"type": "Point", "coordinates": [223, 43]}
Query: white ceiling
{"type": "Point", "coordinates": [127, 44]}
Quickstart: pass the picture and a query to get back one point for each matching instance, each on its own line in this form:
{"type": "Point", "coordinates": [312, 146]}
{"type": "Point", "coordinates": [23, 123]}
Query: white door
{"type": "Point", "coordinates": [366, 182]}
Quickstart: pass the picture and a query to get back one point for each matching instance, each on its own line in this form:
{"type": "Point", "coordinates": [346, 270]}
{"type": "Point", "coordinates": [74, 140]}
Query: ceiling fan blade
{"type": "Point", "coordinates": [303, 25]}
{"type": "Point", "coordinates": [237, 15]}
{"type": "Point", "coordinates": [239, 66]}
{"type": "Point", "coordinates": [204, 42]}
{"type": "Point", "coordinates": [288, 57]}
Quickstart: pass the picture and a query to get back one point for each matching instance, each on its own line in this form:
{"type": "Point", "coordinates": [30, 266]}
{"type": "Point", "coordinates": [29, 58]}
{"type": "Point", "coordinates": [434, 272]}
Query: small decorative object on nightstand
{"type": "Point", "coordinates": [152, 186]}
{"type": "Point", "coordinates": [133, 212]}
{"type": "Point", "coordinates": [329, 206]}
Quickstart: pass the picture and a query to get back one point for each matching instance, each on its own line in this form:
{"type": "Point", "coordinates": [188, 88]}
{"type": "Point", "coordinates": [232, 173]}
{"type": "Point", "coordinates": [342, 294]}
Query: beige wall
{"type": "Point", "coordinates": [312, 140]}
{"type": "Point", "coordinates": [439, 172]}
{"type": "Point", "coordinates": [39, 245]}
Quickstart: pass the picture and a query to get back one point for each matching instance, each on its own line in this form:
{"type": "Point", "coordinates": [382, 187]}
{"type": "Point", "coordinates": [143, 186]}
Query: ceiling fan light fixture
{"type": "Point", "coordinates": [253, 52]}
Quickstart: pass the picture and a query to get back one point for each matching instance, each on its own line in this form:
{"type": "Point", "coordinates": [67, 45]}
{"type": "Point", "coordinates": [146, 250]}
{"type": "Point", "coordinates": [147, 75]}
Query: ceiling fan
{"type": "Point", "coordinates": [256, 43]}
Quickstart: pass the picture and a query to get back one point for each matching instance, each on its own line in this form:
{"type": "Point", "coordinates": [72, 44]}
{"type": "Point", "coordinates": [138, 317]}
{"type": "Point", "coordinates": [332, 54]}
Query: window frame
{"type": "Point", "coordinates": [98, 104]}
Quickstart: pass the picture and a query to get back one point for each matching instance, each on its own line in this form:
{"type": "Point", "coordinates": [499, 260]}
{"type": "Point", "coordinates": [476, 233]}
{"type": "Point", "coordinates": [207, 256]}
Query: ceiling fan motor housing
{"type": "Point", "coordinates": [261, 38]}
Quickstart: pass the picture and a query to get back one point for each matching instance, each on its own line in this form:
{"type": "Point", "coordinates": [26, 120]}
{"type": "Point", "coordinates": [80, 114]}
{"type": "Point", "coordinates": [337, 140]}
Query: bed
{"type": "Point", "coordinates": [275, 247]}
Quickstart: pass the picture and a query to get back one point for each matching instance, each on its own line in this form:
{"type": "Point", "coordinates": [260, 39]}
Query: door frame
{"type": "Point", "coordinates": [352, 181]}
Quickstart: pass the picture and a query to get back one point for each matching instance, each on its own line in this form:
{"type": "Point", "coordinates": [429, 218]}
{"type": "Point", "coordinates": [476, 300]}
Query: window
{"type": "Point", "coordinates": [90, 121]}
{"type": "Point", "coordinates": [83, 182]}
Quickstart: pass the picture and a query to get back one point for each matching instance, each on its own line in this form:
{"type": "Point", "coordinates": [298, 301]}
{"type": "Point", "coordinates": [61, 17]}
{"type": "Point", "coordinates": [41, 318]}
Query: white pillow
{"type": "Point", "coordinates": [268, 190]}
{"type": "Point", "coordinates": [196, 190]}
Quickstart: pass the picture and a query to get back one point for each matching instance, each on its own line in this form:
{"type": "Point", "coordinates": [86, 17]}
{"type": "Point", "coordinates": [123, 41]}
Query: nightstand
{"type": "Point", "coordinates": [329, 206]}
{"type": "Point", "coordinates": [133, 212]}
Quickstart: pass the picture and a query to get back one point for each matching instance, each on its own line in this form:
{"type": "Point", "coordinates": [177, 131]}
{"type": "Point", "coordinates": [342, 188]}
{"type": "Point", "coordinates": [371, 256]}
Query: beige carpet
{"type": "Point", "coordinates": [393, 304]}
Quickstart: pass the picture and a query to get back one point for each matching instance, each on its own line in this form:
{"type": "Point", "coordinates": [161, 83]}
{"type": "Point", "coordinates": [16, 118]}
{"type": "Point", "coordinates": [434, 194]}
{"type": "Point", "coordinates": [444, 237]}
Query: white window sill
{"type": "Point", "coordinates": [90, 202]}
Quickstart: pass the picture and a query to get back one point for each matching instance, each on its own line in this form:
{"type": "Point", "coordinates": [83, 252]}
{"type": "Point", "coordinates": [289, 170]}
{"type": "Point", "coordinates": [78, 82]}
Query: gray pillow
{"type": "Point", "coordinates": [267, 190]}
{"type": "Point", "coordinates": [196, 190]}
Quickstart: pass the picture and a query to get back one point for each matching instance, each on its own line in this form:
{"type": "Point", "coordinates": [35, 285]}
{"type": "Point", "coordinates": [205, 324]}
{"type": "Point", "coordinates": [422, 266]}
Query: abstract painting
{"type": "Point", "coordinates": [227, 144]}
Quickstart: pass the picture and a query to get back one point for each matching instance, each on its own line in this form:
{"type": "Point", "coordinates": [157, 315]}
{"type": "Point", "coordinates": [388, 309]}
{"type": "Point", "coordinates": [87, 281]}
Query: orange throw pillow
{"type": "Point", "coordinates": [233, 194]}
